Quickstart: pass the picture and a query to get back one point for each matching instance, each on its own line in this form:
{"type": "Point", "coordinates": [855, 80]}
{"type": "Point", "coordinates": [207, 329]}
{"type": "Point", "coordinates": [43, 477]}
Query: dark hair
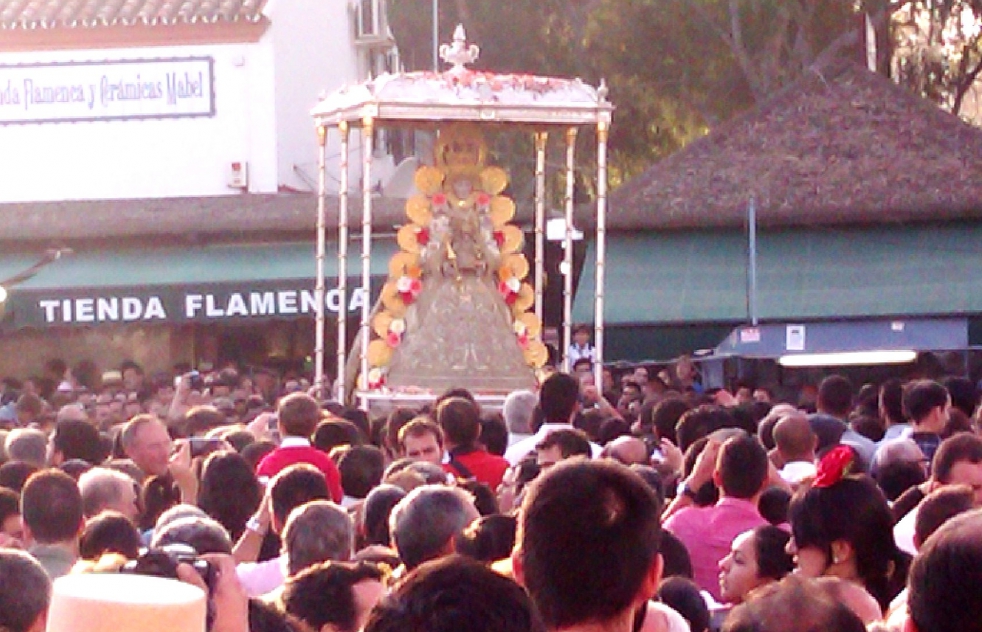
{"type": "Point", "coordinates": [773, 561]}
{"type": "Point", "coordinates": [298, 414]}
{"type": "Point", "coordinates": [794, 604]}
{"type": "Point", "coordinates": [558, 397]}
{"type": "Point", "coordinates": [25, 590]}
{"type": "Point", "coordinates": [202, 419]}
{"type": "Point", "coordinates": [953, 450]}
{"type": "Point", "coordinates": [494, 433]}
{"type": "Point", "coordinates": [321, 594]}
{"type": "Point", "coordinates": [455, 594]}
{"type": "Point", "coordinates": [334, 432]}
{"type": "Point", "coordinates": [229, 491]}
{"type": "Point", "coordinates": [13, 474]}
{"type": "Point", "coordinates": [51, 506]}
{"type": "Point", "coordinates": [944, 579]}
{"type": "Point", "coordinates": [158, 495]}
{"type": "Point", "coordinates": [375, 513]}
{"type": "Point", "coordinates": [255, 452]}
{"type": "Point", "coordinates": [485, 500]}
{"type": "Point", "coordinates": [358, 417]}
{"type": "Point", "coordinates": [896, 477]}
{"type": "Point", "coordinates": [361, 470]}
{"type": "Point", "coordinates": [742, 464]}
{"type": "Point", "coordinates": [612, 428]}
{"type": "Point", "coordinates": [427, 519]}
{"type": "Point", "coordinates": [590, 421]}
{"type": "Point", "coordinates": [77, 439]}
{"type": "Point", "coordinates": [487, 539]}
{"type": "Point", "coordinates": [676, 557]}
{"type": "Point", "coordinates": [773, 505]}
{"type": "Point", "coordinates": [854, 510]}
{"type": "Point", "coordinates": [204, 535]}
{"type": "Point", "coordinates": [460, 420]}
{"type": "Point", "coordinates": [590, 533]}
{"type": "Point", "coordinates": [708, 494]}
{"type": "Point", "coordinates": [571, 442]}
{"type": "Point", "coordinates": [419, 427]}
{"type": "Point", "coordinates": [682, 595]}
{"type": "Point", "coordinates": [892, 400]}
{"type": "Point", "coordinates": [265, 617]}
{"type": "Point", "coordinates": [398, 418]}
{"type": "Point", "coordinates": [923, 396]}
{"type": "Point", "coordinates": [109, 532]}
{"type": "Point", "coordinates": [868, 427]}
{"type": "Point", "coordinates": [294, 486]}
{"type": "Point", "coordinates": [699, 422]}
{"type": "Point", "coordinates": [665, 416]}
{"type": "Point", "coordinates": [9, 504]}
{"type": "Point", "coordinates": [964, 395]}
{"type": "Point", "coordinates": [835, 396]}
{"type": "Point", "coordinates": [940, 506]}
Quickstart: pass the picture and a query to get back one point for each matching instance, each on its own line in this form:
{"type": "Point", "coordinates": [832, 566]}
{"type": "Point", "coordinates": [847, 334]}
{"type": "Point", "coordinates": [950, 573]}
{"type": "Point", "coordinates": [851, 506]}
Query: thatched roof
{"type": "Point", "coordinates": [227, 217]}
{"type": "Point", "coordinates": [840, 146]}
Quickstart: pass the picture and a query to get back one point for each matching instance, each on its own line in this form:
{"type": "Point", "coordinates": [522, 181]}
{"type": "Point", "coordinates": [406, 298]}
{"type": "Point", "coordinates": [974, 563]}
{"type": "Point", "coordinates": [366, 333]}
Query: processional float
{"type": "Point", "coordinates": [458, 308]}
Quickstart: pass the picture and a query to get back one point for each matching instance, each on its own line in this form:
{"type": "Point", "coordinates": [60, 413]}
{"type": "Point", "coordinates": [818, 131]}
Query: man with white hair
{"type": "Point", "coordinates": [517, 410]}
{"type": "Point", "coordinates": [104, 489]}
{"type": "Point", "coordinates": [27, 444]}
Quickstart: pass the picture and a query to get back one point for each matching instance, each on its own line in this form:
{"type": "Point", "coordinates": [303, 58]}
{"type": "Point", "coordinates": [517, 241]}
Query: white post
{"type": "Point", "coordinates": [540, 219]}
{"type": "Point", "coordinates": [568, 249]}
{"type": "Point", "coordinates": [368, 127]}
{"type": "Point", "coordinates": [598, 317]}
{"type": "Point", "coordinates": [319, 284]}
{"type": "Point", "coordinates": [342, 263]}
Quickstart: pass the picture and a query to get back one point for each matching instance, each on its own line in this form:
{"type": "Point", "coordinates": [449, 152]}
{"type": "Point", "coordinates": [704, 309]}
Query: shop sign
{"type": "Point", "coordinates": [107, 90]}
{"type": "Point", "coordinates": [176, 305]}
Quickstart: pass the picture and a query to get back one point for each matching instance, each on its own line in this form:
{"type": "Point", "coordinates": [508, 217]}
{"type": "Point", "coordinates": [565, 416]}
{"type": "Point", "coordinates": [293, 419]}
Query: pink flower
{"type": "Point", "coordinates": [499, 238]}
{"type": "Point", "coordinates": [483, 199]}
{"type": "Point", "coordinates": [415, 287]}
{"type": "Point", "coordinates": [423, 236]}
{"type": "Point", "coordinates": [523, 341]}
{"type": "Point", "coordinates": [407, 297]}
{"type": "Point", "coordinates": [834, 466]}
{"type": "Point", "coordinates": [393, 339]}
{"type": "Point", "coordinates": [439, 199]}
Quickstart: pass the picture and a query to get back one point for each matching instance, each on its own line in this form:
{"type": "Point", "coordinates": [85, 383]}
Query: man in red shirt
{"type": "Point", "coordinates": [460, 420]}
{"type": "Point", "coordinates": [297, 417]}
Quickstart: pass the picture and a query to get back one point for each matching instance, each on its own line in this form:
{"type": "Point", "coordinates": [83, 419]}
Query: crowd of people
{"type": "Point", "coordinates": [645, 503]}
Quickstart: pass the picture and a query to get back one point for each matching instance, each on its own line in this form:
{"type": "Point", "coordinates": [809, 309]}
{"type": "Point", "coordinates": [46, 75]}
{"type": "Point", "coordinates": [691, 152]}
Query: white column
{"type": "Point", "coordinates": [368, 127]}
{"type": "Point", "coordinates": [342, 264]}
{"type": "Point", "coordinates": [319, 284]}
{"type": "Point", "coordinates": [540, 219]}
{"type": "Point", "coordinates": [568, 248]}
{"type": "Point", "coordinates": [598, 317]}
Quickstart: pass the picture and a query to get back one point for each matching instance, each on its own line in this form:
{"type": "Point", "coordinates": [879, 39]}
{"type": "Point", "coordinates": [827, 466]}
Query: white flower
{"type": "Point", "coordinates": [397, 326]}
{"type": "Point", "coordinates": [404, 284]}
{"type": "Point", "coordinates": [513, 284]}
{"type": "Point", "coordinates": [520, 328]}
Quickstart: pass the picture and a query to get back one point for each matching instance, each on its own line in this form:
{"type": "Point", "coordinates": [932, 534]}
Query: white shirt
{"type": "Point", "coordinates": [515, 453]}
{"type": "Point", "coordinates": [796, 471]}
{"type": "Point", "coordinates": [259, 578]}
{"type": "Point", "coordinates": [903, 532]}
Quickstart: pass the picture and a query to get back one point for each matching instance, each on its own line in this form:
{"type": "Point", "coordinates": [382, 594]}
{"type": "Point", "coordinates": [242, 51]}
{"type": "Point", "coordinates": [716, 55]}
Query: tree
{"type": "Point", "coordinates": [939, 49]}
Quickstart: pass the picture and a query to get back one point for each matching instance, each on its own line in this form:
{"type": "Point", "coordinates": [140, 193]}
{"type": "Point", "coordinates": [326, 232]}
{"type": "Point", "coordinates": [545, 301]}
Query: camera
{"type": "Point", "coordinates": [162, 562]}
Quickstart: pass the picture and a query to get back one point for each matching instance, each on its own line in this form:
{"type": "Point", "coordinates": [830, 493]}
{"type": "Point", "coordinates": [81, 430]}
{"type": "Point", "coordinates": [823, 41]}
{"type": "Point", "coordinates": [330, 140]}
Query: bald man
{"type": "Point", "coordinates": [627, 450]}
{"type": "Point", "coordinates": [795, 443]}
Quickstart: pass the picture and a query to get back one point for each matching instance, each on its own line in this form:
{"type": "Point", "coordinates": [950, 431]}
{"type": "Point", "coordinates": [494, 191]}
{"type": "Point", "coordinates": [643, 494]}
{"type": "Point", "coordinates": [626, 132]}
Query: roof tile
{"type": "Point", "coordinates": [31, 14]}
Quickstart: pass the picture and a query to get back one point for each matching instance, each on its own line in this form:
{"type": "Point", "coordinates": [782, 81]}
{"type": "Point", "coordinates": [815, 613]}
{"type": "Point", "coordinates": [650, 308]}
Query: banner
{"type": "Point", "coordinates": [107, 90]}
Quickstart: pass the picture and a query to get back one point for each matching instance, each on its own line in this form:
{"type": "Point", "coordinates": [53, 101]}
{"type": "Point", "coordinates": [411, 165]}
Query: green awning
{"type": "Point", "coordinates": [214, 283]}
{"type": "Point", "coordinates": [807, 274]}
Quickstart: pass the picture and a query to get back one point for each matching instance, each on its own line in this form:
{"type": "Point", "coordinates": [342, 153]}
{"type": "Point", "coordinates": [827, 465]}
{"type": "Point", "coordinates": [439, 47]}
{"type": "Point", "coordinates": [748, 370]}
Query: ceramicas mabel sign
{"type": "Point", "coordinates": [174, 305]}
{"type": "Point", "coordinates": [106, 90]}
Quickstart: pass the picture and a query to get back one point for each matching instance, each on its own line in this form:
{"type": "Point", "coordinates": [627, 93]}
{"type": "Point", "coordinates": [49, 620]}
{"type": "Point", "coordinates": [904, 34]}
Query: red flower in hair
{"type": "Point", "coordinates": [423, 236]}
{"type": "Point", "coordinates": [499, 238]}
{"type": "Point", "coordinates": [834, 466]}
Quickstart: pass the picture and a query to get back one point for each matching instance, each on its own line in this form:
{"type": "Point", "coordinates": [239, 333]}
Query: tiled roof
{"type": "Point", "coordinates": [48, 14]}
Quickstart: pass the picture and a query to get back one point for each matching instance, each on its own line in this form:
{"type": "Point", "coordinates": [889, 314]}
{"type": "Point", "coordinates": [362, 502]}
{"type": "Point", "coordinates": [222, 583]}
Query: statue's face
{"type": "Point", "coordinates": [462, 187]}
